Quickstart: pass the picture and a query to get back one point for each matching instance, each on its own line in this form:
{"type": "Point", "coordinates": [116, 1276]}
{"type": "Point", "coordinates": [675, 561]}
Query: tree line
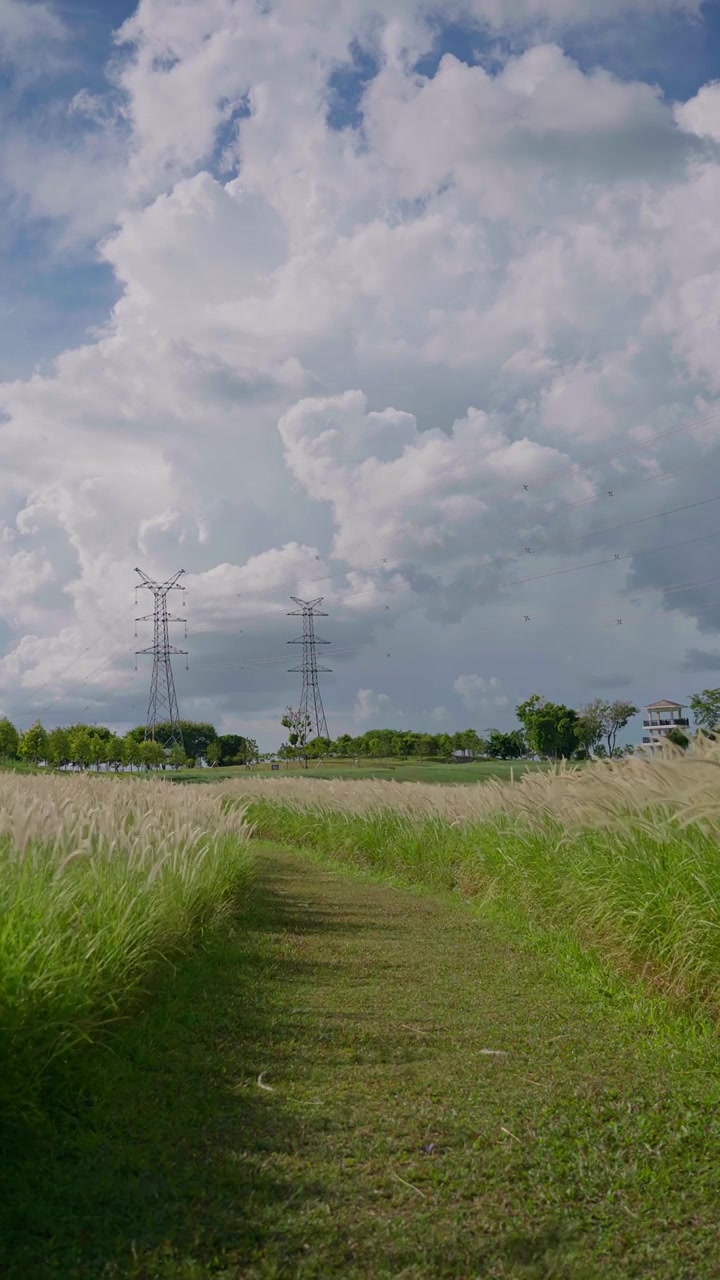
{"type": "Point", "coordinates": [84, 746]}
{"type": "Point", "coordinates": [548, 729]}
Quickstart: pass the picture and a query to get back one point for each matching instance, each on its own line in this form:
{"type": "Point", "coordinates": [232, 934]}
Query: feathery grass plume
{"type": "Point", "coordinates": [100, 882]}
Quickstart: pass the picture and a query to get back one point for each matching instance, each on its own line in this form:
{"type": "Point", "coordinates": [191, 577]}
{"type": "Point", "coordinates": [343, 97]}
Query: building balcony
{"type": "Point", "coordinates": [647, 739]}
{"type": "Point", "coordinates": [676, 721]}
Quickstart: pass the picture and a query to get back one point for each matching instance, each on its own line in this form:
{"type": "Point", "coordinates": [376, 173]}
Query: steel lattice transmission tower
{"type": "Point", "coordinates": [162, 704]}
{"type": "Point", "coordinates": [310, 700]}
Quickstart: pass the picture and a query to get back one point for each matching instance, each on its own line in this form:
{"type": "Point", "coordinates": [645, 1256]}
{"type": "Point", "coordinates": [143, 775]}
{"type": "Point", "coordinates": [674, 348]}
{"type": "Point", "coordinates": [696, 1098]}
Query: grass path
{"type": "Point", "coordinates": [372, 1082]}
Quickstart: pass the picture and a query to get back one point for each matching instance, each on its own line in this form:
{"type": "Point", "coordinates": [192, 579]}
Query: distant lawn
{"type": "Point", "coordinates": [387, 769]}
{"type": "Point", "coordinates": [390, 770]}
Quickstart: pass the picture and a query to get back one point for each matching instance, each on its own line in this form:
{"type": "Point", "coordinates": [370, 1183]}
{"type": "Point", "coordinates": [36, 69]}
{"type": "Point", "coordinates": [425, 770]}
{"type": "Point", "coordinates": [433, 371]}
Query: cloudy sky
{"type": "Point", "coordinates": [412, 306]}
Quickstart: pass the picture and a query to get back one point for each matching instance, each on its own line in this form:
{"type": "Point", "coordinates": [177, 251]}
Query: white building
{"type": "Point", "coordinates": [661, 718]}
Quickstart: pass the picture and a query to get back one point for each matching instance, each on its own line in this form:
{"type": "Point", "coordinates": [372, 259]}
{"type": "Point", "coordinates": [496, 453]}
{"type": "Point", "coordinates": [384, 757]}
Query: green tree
{"type": "Point", "coordinates": [34, 743]}
{"type": "Point", "coordinates": [236, 749]}
{"type": "Point", "coordinates": [58, 748]}
{"type": "Point", "coordinates": [705, 707]}
{"type": "Point", "coordinates": [196, 736]}
{"type": "Point", "coordinates": [177, 757]}
{"type": "Point", "coordinates": [99, 730]}
{"type": "Point", "coordinates": [591, 724]}
{"type": "Point", "coordinates": [213, 754]}
{"type": "Point", "coordinates": [617, 715]}
{"type": "Point", "coordinates": [506, 746]}
{"type": "Point", "coordinates": [298, 725]}
{"type": "Point", "coordinates": [9, 740]}
{"type": "Point", "coordinates": [152, 754]}
{"type": "Point", "coordinates": [678, 738]}
{"type": "Point", "coordinates": [80, 746]}
{"type": "Point", "coordinates": [550, 727]}
{"type": "Point", "coordinates": [114, 751]}
{"type": "Point", "coordinates": [131, 751]}
{"type": "Point", "coordinates": [472, 742]}
{"type": "Point", "coordinates": [98, 751]}
{"type": "Point", "coordinates": [468, 742]}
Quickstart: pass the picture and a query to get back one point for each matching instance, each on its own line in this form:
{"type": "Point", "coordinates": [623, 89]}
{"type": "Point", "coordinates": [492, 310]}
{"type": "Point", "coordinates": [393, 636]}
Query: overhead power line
{"type": "Point", "coordinates": [393, 562]}
{"type": "Point", "coordinates": [532, 486]}
{"type": "Point", "coordinates": [255, 663]}
{"type": "Point", "coordinates": [551, 573]}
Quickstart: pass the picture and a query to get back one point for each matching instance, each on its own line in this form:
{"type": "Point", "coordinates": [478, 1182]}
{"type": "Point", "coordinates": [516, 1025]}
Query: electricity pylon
{"type": "Point", "coordinates": [310, 700]}
{"type": "Point", "coordinates": [162, 704]}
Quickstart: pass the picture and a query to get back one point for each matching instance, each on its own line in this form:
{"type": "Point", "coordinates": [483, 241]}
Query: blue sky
{"type": "Point", "coordinates": [51, 297]}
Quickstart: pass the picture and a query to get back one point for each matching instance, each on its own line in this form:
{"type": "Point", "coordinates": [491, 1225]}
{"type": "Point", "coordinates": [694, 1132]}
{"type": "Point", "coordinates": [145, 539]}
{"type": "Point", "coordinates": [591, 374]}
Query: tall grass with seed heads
{"type": "Point", "coordinates": [624, 856]}
{"type": "Point", "coordinates": [100, 885]}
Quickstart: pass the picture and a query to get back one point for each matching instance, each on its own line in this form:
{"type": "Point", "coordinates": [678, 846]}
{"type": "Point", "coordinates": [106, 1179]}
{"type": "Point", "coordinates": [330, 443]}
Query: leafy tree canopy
{"type": "Point", "coordinates": [705, 707]}
{"type": "Point", "coordinates": [9, 739]}
{"type": "Point", "coordinates": [506, 746]}
{"type": "Point", "coordinates": [34, 743]}
{"type": "Point", "coordinates": [196, 735]}
{"type": "Point", "coordinates": [550, 727]}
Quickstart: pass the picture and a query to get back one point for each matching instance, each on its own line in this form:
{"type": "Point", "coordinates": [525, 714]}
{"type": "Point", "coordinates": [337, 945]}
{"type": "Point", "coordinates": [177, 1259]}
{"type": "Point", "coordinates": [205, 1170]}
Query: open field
{"type": "Point", "coordinates": [622, 854]}
{"type": "Point", "coordinates": [385, 769]}
{"type": "Point", "coordinates": [457, 1031]}
{"type": "Point", "coordinates": [364, 1082]}
{"type": "Point", "coordinates": [99, 885]}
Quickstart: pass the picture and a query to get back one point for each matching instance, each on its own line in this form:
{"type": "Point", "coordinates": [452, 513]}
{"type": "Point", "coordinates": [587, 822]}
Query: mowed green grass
{"type": "Point", "coordinates": [390, 770]}
{"type": "Point", "coordinates": [361, 1081]}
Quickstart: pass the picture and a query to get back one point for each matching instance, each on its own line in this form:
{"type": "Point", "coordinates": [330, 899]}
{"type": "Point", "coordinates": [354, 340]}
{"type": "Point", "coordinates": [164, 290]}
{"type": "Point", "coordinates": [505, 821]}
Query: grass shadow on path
{"type": "Point", "coordinates": [165, 1159]}
{"type": "Point", "coordinates": [391, 1140]}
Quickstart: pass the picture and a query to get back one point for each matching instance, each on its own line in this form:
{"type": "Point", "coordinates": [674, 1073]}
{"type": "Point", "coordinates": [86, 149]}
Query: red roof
{"type": "Point", "coordinates": [658, 706]}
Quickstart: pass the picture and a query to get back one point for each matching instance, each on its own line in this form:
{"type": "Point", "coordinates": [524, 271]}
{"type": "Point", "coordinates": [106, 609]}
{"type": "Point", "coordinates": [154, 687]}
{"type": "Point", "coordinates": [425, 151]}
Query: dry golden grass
{"type": "Point", "coordinates": [684, 786]}
{"type": "Point", "coordinates": [72, 815]}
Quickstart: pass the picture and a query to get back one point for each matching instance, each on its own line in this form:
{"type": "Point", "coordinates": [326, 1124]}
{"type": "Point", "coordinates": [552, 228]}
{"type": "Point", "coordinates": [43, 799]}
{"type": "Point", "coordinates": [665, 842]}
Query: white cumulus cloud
{"type": "Point", "coordinates": [477, 691]}
{"type": "Point", "coordinates": [405, 365]}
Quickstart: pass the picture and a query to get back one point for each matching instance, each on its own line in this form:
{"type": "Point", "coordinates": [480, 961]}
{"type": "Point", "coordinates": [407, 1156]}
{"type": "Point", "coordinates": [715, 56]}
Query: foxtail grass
{"type": "Point", "coordinates": [100, 886]}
